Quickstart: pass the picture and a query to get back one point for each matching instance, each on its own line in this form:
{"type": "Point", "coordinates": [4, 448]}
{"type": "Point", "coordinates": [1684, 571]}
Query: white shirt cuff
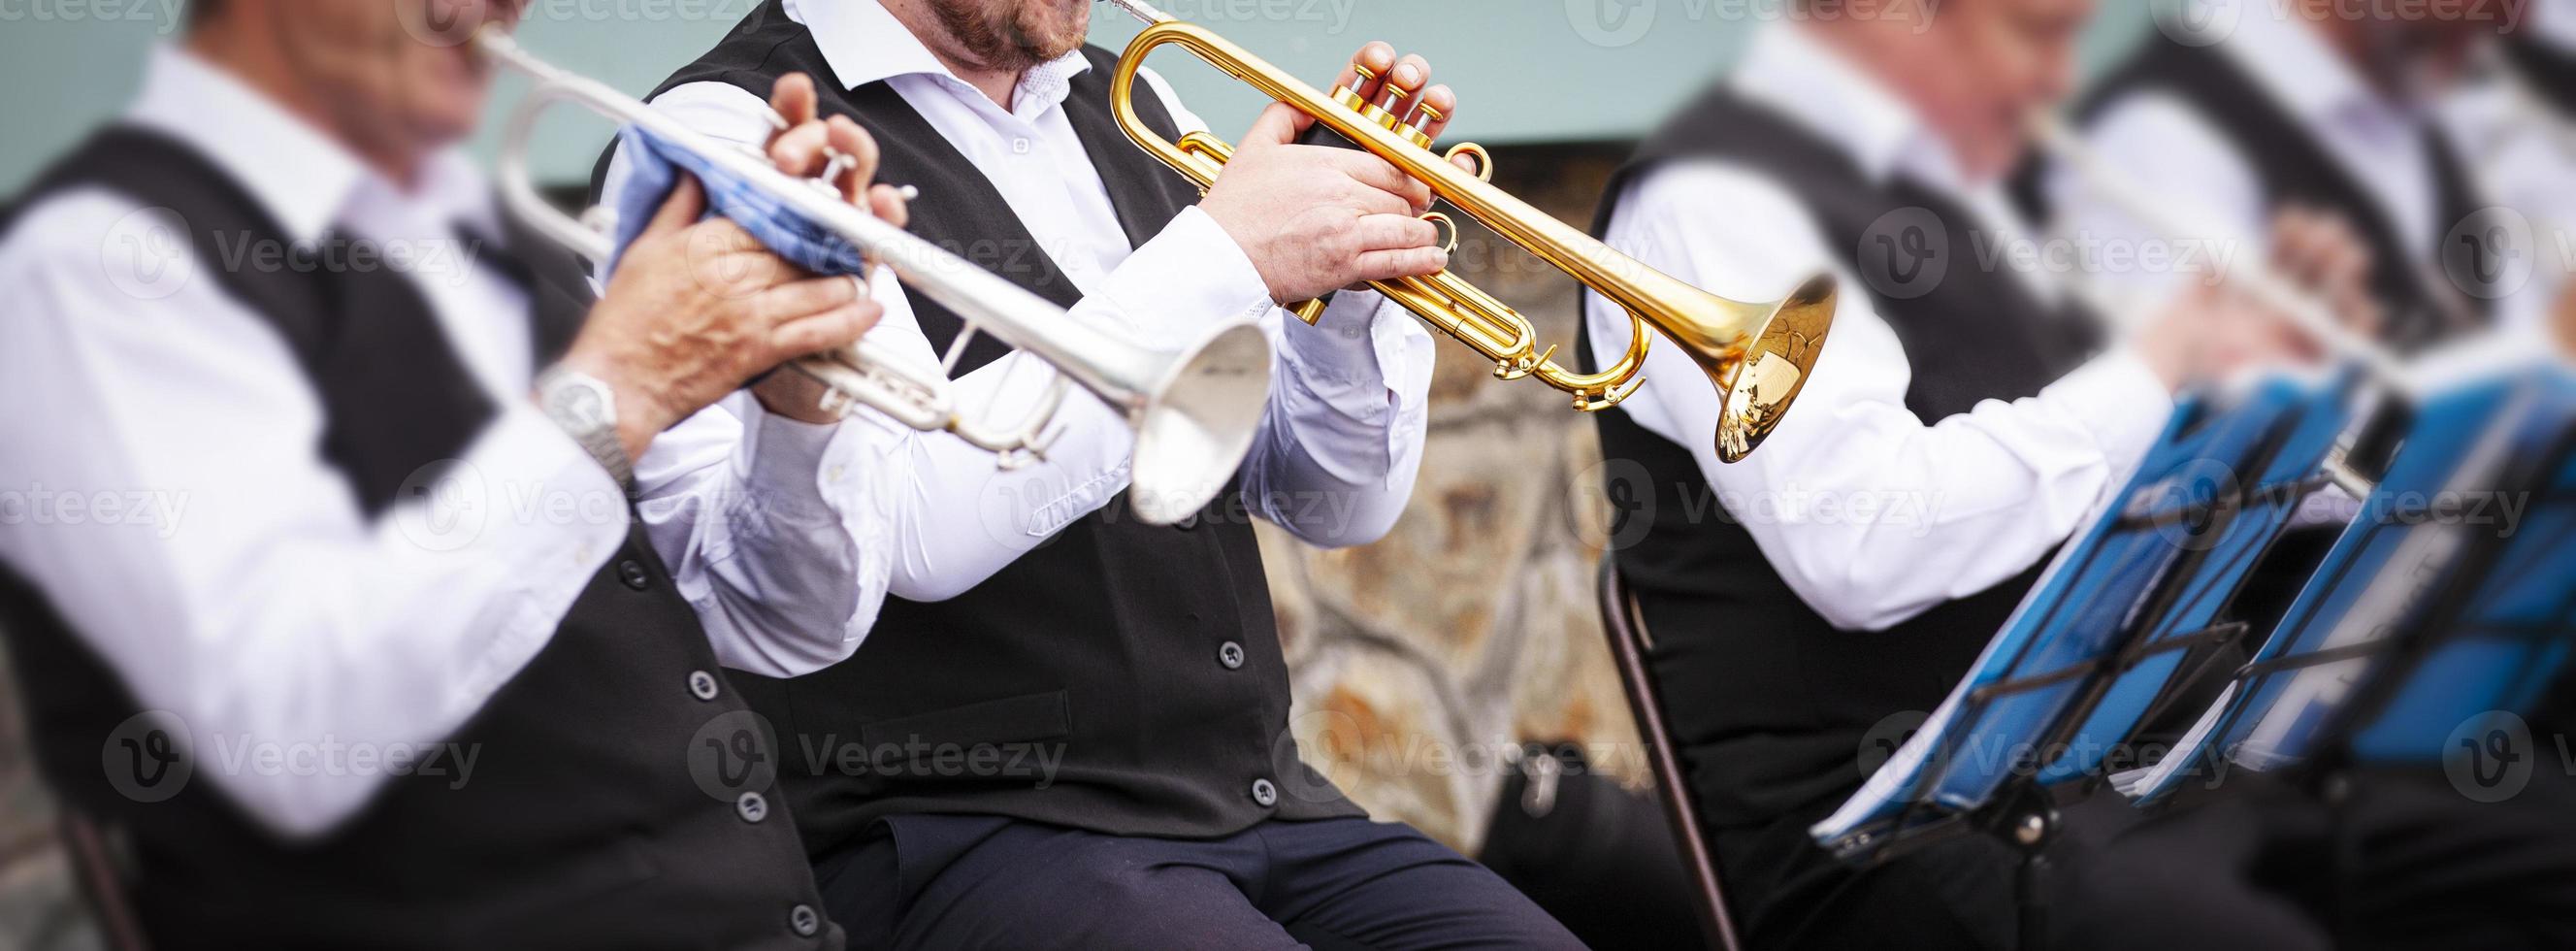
{"type": "Point", "coordinates": [1176, 286]}
{"type": "Point", "coordinates": [2123, 402]}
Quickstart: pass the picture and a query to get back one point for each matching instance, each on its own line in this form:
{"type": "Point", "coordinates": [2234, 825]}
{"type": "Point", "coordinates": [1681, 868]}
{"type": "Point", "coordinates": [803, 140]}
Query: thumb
{"type": "Point", "coordinates": [687, 203]}
{"type": "Point", "coordinates": [1278, 125]}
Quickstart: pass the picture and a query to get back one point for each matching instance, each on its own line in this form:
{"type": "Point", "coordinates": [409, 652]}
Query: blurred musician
{"type": "Point", "coordinates": [1963, 421]}
{"type": "Point", "coordinates": [1071, 728]}
{"type": "Point", "coordinates": [2516, 124]}
{"type": "Point", "coordinates": [2251, 107]}
{"type": "Point", "coordinates": [419, 673]}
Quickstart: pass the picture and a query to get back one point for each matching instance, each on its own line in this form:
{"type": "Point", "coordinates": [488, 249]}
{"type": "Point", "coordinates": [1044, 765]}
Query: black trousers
{"type": "Point", "coordinates": [2402, 861]}
{"type": "Point", "coordinates": [928, 881]}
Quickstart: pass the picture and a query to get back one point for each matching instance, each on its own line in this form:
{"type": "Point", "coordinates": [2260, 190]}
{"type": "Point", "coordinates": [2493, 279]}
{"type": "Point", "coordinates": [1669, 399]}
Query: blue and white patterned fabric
{"type": "Point", "coordinates": [657, 166]}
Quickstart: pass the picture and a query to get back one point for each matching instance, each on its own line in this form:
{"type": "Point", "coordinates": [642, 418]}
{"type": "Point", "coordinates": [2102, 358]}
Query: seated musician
{"type": "Point", "coordinates": [381, 654]}
{"type": "Point", "coordinates": [1070, 728]}
{"type": "Point", "coordinates": [1964, 419]}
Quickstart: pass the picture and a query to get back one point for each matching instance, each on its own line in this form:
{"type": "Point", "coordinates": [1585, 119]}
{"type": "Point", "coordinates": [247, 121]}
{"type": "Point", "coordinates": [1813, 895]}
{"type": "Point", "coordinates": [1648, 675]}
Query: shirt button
{"type": "Point", "coordinates": [632, 572]}
{"type": "Point", "coordinates": [804, 920]}
{"type": "Point", "coordinates": [1231, 655]}
{"type": "Point", "coordinates": [751, 807]}
{"type": "Point", "coordinates": [1020, 146]}
{"type": "Point", "coordinates": [1264, 794]}
{"type": "Point", "coordinates": [702, 685]}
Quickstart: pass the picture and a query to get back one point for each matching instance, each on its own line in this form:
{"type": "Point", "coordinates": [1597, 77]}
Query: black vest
{"type": "Point", "coordinates": [2425, 301]}
{"type": "Point", "coordinates": [1769, 700]}
{"type": "Point", "coordinates": [2551, 70]}
{"type": "Point", "coordinates": [580, 824]}
{"type": "Point", "coordinates": [1147, 659]}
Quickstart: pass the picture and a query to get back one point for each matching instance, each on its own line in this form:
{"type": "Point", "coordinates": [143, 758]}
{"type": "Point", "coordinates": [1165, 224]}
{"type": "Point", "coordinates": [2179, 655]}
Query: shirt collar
{"type": "Point", "coordinates": [301, 176]}
{"type": "Point", "coordinates": [2293, 65]}
{"type": "Point", "coordinates": [1790, 72]}
{"type": "Point", "coordinates": [864, 43]}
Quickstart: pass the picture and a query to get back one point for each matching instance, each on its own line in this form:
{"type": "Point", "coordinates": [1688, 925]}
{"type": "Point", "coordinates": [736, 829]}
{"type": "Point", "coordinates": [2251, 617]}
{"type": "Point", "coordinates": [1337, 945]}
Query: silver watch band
{"type": "Point", "coordinates": [586, 410]}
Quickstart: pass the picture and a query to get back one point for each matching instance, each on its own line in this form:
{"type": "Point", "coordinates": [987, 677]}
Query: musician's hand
{"type": "Point", "coordinates": [1399, 87]}
{"type": "Point", "coordinates": [2318, 251]}
{"type": "Point", "coordinates": [2211, 331]}
{"type": "Point", "coordinates": [2562, 323]}
{"type": "Point", "coordinates": [806, 147]}
{"type": "Point", "coordinates": [1314, 219]}
{"type": "Point", "coordinates": [698, 307]}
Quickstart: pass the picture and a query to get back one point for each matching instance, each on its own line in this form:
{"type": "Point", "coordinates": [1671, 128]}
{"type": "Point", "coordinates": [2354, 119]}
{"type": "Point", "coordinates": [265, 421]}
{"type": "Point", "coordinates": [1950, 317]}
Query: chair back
{"type": "Point", "coordinates": [1629, 643]}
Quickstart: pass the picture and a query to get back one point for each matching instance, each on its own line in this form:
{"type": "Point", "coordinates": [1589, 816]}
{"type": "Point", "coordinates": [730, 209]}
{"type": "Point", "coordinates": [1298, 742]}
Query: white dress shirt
{"type": "Point", "coordinates": [238, 585]}
{"type": "Point", "coordinates": [1871, 515]}
{"type": "Point", "coordinates": [2167, 148]}
{"type": "Point", "coordinates": [1341, 441]}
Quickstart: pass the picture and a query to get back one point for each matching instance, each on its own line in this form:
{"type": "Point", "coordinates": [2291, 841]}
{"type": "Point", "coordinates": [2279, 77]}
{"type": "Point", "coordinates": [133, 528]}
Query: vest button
{"type": "Point", "coordinates": [804, 920]}
{"type": "Point", "coordinates": [632, 572]}
{"type": "Point", "coordinates": [751, 806]}
{"type": "Point", "coordinates": [1264, 794]}
{"type": "Point", "coordinates": [702, 685]}
{"type": "Point", "coordinates": [1231, 655]}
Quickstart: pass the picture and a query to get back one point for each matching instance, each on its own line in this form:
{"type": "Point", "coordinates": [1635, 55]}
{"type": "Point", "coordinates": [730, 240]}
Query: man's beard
{"type": "Point", "coordinates": [1011, 42]}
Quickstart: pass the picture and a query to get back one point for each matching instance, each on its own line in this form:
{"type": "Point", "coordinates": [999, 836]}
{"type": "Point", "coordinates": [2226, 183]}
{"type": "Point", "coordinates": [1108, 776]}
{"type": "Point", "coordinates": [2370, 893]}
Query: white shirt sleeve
{"type": "Point", "coordinates": [1871, 515]}
{"type": "Point", "coordinates": [773, 530]}
{"type": "Point", "coordinates": [1344, 425]}
{"type": "Point", "coordinates": [236, 583]}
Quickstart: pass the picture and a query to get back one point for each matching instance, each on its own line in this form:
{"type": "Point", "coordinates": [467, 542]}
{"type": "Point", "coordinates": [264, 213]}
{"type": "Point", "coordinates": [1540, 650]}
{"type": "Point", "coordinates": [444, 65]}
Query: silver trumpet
{"type": "Point", "coordinates": [1194, 409]}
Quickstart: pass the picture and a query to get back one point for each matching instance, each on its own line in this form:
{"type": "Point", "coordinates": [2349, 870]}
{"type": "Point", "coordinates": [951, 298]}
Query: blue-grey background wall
{"type": "Point", "coordinates": [1528, 70]}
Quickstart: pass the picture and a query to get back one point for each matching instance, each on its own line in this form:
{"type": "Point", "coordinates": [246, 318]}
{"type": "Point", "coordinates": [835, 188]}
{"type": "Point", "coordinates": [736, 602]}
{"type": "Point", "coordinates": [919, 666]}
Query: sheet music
{"type": "Point", "coordinates": [2141, 781]}
{"type": "Point", "coordinates": [2394, 595]}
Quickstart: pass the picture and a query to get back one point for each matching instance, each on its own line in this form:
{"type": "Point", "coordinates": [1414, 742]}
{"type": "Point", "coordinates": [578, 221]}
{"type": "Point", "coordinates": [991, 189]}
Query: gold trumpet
{"type": "Point", "coordinates": [1757, 355]}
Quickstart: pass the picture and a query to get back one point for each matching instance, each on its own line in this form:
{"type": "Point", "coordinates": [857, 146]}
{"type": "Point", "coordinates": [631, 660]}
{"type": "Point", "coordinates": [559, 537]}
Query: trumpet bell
{"type": "Point", "coordinates": [1761, 378]}
{"type": "Point", "coordinates": [1197, 423]}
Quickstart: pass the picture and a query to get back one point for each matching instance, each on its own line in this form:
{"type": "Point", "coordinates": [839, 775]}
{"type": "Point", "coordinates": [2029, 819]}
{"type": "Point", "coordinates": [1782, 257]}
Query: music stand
{"type": "Point", "coordinates": [2400, 583]}
{"type": "Point", "coordinates": [2417, 624]}
{"type": "Point", "coordinates": [2100, 636]}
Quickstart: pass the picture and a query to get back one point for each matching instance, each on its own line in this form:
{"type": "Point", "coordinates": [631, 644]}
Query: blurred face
{"type": "Point", "coordinates": [394, 80]}
{"type": "Point", "coordinates": [2416, 55]}
{"type": "Point", "coordinates": [1012, 35]}
{"type": "Point", "coordinates": [1985, 66]}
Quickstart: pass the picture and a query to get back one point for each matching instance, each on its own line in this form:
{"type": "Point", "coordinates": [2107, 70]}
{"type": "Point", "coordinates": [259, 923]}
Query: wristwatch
{"type": "Point", "coordinates": [586, 409]}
